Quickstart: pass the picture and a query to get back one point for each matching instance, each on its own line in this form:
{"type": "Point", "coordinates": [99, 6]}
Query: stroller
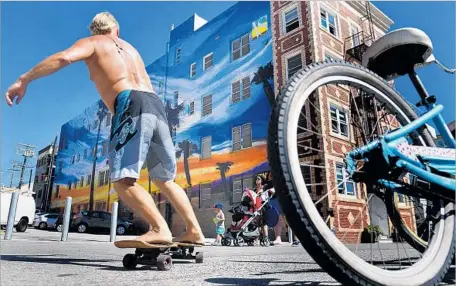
{"type": "Point", "coordinates": [248, 219]}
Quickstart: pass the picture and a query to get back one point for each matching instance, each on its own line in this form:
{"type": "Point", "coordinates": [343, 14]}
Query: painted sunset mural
{"type": "Point", "coordinates": [217, 87]}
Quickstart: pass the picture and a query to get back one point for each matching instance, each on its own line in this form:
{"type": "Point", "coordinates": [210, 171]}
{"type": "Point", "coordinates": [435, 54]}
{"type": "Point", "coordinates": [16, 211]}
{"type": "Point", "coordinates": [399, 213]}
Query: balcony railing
{"type": "Point", "coordinates": [356, 44]}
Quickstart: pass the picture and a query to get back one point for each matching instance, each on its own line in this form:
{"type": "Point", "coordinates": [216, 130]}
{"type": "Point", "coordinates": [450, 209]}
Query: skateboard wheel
{"type": "Point", "coordinates": [164, 262]}
{"type": "Point", "coordinates": [129, 261]}
{"type": "Point", "coordinates": [199, 257]}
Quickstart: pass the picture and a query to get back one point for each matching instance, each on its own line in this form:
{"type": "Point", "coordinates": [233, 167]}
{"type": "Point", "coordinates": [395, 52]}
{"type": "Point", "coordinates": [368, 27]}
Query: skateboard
{"type": "Point", "coordinates": [159, 255]}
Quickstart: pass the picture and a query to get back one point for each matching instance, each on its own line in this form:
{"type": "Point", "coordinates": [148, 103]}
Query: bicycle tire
{"type": "Point", "coordinates": [298, 206]}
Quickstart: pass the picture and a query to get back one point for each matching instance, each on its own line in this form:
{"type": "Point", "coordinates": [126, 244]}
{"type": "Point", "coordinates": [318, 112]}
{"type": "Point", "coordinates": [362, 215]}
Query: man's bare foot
{"type": "Point", "coordinates": [191, 236]}
{"type": "Point", "coordinates": [157, 236]}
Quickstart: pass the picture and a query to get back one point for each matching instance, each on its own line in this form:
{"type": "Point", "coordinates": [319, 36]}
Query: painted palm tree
{"type": "Point", "coordinates": [263, 76]}
{"type": "Point", "coordinates": [223, 168]}
{"type": "Point", "coordinates": [172, 115]}
{"type": "Point", "coordinates": [101, 113]}
{"type": "Point", "coordinates": [187, 148]}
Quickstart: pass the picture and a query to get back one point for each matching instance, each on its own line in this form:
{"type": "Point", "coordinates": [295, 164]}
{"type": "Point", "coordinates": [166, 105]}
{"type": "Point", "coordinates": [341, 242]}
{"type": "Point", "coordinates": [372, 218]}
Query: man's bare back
{"type": "Point", "coordinates": [139, 131]}
{"type": "Point", "coordinates": [116, 66]}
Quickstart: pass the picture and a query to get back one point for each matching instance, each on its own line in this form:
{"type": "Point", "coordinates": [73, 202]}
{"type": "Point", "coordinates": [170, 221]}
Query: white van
{"type": "Point", "coordinates": [25, 210]}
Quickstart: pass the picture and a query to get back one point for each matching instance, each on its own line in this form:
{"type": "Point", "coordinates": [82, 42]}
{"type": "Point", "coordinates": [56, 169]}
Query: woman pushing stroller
{"type": "Point", "coordinates": [265, 191]}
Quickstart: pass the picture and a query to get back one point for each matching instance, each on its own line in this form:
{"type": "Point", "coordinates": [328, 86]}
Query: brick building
{"type": "Point", "coordinates": [311, 31]}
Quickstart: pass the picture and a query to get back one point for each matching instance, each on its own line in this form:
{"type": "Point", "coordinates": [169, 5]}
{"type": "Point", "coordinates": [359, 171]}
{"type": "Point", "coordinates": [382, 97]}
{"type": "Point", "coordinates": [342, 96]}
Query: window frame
{"type": "Point", "coordinates": [191, 69]}
{"type": "Point", "coordinates": [347, 118]}
{"type": "Point", "coordinates": [204, 61]}
{"type": "Point", "coordinates": [202, 157]}
{"type": "Point", "coordinates": [340, 165]}
{"type": "Point", "coordinates": [284, 23]}
{"type": "Point", "coordinates": [336, 21]}
{"type": "Point", "coordinates": [287, 58]}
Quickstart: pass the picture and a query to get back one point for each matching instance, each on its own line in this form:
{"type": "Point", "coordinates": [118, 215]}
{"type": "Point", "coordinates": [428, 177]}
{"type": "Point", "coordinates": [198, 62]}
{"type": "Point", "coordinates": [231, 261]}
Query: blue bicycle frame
{"type": "Point", "coordinates": [395, 159]}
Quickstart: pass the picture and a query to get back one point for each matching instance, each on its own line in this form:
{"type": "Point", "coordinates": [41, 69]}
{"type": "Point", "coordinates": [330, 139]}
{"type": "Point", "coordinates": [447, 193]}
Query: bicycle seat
{"type": "Point", "coordinates": [398, 52]}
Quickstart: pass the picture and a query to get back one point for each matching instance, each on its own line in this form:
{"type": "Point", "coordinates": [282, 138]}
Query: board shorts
{"type": "Point", "coordinates": [140, 134]}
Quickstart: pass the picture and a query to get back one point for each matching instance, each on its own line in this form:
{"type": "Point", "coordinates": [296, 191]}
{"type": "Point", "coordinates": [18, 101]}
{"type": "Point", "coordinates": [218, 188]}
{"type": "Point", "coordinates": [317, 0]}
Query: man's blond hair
{"type": "Point", "coordinates": [103, 23]}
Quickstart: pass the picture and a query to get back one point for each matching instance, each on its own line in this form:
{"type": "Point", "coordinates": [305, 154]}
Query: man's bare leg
{"type": "Point", "coordinates": [181, 203]}
{"type": "Point", "coordinates": [140, 201]}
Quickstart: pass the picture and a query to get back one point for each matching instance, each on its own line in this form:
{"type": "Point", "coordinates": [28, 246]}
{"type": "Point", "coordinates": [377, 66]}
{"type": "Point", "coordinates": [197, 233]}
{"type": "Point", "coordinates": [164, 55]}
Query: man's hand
{"type": "Point", "coordinates": [17, 89]}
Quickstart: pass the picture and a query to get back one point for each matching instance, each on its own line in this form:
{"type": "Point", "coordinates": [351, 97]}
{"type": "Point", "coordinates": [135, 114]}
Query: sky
{"type": "Point", "coordinates": [31, 31]}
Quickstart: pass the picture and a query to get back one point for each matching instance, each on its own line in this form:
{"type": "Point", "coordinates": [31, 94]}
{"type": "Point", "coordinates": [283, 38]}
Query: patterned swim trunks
{"type": "Point", "coordinates": [140, 134]}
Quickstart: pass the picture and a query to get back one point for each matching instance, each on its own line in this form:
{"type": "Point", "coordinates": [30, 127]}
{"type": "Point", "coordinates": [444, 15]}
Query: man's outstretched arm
{"type": "Point", "coordinates": [81, 50]}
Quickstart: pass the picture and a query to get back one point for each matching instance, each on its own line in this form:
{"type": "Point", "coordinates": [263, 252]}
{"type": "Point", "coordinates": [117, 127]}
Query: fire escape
{"type": "Point", "coordinates": [356, 44]}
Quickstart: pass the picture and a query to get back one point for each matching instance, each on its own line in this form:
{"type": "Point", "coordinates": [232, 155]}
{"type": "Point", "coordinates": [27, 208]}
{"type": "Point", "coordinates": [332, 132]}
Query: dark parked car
{"type": "Point", "coordinates": [59, 222]}
{"type": "Point", "coordinates": [91, 220]}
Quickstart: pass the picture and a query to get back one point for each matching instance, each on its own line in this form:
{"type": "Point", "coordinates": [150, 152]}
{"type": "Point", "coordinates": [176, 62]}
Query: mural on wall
{"type": "Point", "coordinates": [217, 87]}
{"type": "Point", "coordinates": [76, 163]}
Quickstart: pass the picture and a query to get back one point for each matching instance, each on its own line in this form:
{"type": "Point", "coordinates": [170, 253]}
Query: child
{"type": "Point", "coordinates": [219, 221]}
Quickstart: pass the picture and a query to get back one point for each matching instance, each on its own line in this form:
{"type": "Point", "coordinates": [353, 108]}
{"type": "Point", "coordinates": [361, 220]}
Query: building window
{"type": "Point", "coordinates": [330, 57]}
{"type": "Point", "coordinates": [344, 185]}
{"type": "Point", "coordinates": [339, 121]}
{"type": "Point", "coordinates": [178, 55]}
{"type": "Point", "coordinates": [242, 137]}
{"type": "Point", "coordinates": [239, 185]}
{"type": "Point", "coordinates": [206, 146]}
{"type": "Point", "coordinates": [294, 64]}
{"type": "Point", "coordinates": [208, 61]}
{"type": "Point", "coordinates": [108, 119]}
{"type": "Point", "coordinates": [354, 31]}
{"type": "Point", "coordinates": [240, 47]}
{"type": "Point", "coordinates": [237, 191]}
{"type": "Point", "coordinates": [207, 105]}
{"type": "Point", "coordinates": [205, 193]}
{"type": "Point", "coordinates": [240, 89]}
{"type": "Point", "coordinates": [328, 21]}
{"type": "Point", "coordinates": [192, 70]}
{"type": "Point", "coordinates": [247, 135]}
{"type": "Point", "coordinates": [192, 108]}
{"type": "Point", "coordinates": [291, 20]}
{"type": "Point", "coordinates": [176, 98]}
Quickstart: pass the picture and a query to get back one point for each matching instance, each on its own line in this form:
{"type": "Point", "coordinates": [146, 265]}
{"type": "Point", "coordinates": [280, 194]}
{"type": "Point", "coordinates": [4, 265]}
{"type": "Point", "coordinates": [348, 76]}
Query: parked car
{"type": "Point", "coordinates": [59, 222]}
{"type": "Point", "coordinates": [24, 211]}
{"type": "Point", "coordinates": [45, 220]}
{"type": "Point", "coordinates": [91, 220]}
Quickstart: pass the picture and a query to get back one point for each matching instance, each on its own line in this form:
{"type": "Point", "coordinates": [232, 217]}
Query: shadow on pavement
{"type": "Point", "coordinates": [265, 281]}
{"type": "Point", "coordinates": [79, 262]}
{"type": "Point", "coordinates": [275, 262]}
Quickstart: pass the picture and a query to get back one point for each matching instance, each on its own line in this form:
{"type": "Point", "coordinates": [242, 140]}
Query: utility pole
{"type": "Point", "coordinates": [13, 170]}
{"type": "Point", "coordinates": [27, 151]}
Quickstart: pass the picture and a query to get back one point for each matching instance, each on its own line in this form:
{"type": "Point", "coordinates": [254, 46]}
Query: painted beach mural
{"type": "Point", "coordinates": [216, 82]}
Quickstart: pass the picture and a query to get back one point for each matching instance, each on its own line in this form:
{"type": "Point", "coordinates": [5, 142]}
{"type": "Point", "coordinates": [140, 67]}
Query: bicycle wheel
{"type": "Point", "coordinates": [303, 101]}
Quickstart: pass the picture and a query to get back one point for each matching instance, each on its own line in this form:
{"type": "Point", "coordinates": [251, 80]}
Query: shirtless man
{"type": "Point", "coordinates": [140, 130]}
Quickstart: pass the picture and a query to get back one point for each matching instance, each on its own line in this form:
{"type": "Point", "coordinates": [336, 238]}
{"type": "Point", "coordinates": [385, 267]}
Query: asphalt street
{"type": "Point", "coordinates": [39, 258]}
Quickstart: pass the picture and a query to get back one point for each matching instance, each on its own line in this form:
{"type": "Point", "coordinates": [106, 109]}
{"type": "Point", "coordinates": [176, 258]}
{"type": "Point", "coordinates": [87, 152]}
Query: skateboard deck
{"type": "Point", "coordinates": [160, 255]}
{"type": "Point", "coordinates": [142, 244]}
